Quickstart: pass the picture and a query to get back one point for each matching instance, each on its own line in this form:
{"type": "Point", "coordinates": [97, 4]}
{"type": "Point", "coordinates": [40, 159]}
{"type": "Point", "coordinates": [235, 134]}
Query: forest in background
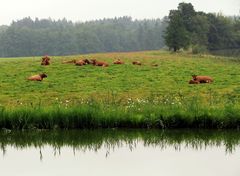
{"type": "Point", "coordinates": [29, 37]}
{"type": "Point", "coordinates": [183, 28]}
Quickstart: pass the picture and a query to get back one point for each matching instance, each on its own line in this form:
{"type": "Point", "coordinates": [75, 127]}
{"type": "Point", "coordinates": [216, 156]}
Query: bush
{"type": "Point", "coordinates": [199, 49]}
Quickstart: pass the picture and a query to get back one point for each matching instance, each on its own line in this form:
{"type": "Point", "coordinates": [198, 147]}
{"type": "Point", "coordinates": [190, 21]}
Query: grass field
{"type": "Point", "coordinates": [142, 89]}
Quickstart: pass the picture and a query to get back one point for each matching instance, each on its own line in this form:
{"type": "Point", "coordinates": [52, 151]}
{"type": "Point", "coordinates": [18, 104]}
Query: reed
{"type": "Point", "coordinates": [190, 114]}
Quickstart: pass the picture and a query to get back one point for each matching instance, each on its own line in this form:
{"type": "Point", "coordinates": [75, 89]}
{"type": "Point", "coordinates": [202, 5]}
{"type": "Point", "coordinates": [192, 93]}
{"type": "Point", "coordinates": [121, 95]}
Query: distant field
{"type": "Point", "coordinates": [74, 84]}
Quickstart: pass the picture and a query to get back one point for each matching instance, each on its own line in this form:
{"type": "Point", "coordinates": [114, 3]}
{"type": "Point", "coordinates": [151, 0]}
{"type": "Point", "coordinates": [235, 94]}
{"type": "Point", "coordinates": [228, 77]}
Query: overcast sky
{"type": "Point", "coordinates": [84, 10]}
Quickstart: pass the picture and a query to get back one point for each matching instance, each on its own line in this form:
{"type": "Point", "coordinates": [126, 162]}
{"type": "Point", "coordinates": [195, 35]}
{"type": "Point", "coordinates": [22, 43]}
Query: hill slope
{"type": "Point", "coordinates": [74, 83]}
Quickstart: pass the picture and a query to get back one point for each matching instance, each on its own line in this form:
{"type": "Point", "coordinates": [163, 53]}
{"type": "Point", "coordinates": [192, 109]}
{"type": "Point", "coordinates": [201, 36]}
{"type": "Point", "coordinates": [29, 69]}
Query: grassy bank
{"type": "Point", "coordinates": [136, 115]}
{"type": "Point", "coordinates": [126, 96]}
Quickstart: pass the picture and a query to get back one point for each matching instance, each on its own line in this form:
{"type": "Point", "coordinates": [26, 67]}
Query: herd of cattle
{"type": "Point", "coordinates": [46, 61]}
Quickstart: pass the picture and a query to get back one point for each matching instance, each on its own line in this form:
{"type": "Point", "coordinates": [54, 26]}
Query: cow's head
{"type": "Point", "coordinates": [93, 61]}
{"type": "Point", "coordinates": [194, 77]}
{"type": "Point", "coordinates": [43, 75]}
{"type": "Point", "coordinates": [86, 61]}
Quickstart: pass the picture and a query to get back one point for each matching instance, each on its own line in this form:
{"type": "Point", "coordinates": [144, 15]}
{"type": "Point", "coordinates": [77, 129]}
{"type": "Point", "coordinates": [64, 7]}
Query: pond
{"type": "Point", "coordinates": [120, 152]}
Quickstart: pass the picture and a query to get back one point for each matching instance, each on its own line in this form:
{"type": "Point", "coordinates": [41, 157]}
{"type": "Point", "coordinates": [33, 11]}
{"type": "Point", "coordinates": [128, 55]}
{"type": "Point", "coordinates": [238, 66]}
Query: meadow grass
{"type": "Point", "coordinates": [121, 95]}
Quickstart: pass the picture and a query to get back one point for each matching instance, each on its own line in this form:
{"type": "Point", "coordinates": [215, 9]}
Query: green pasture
{"type": "Point", "coordinates": [74, 84]}
{"type": "Point", "coordinates": [127, 96]}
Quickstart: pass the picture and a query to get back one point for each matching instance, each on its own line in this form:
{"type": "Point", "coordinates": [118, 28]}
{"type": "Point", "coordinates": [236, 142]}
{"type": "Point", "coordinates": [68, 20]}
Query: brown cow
{"type": "Point", "coordinates": [69, 62]}
{"type": "Point", "coordinates": [99, 63]}
{"type": "Point", "coordinates": [45, 60]}
{"type": "Point", "coordinates": [202, 79]}
{"type": "Point", "coordinates": [38, 77]}
{"type": "Point", "coordinates": [193, 82]}
{"type": "Point", "coordinates": [118, 61]}
{"type": "Point", "coordinates": [82, 62]}
{"type": "Point", "coordinates": [86, 61]}
{"type": "Point", "coordinates": [136, 63]}
{"type": "Point", "coordinates": [155, 65]}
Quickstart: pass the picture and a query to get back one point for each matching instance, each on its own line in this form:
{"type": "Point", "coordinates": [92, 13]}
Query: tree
{"type": "Point", "coordinates": [221, 33]}
{"type": "Point", "coordinates": [176, 36]}
{"type": "Point", "coordinates": [201, 31]}
{"type": "Point", "coordinates": [187, 13]}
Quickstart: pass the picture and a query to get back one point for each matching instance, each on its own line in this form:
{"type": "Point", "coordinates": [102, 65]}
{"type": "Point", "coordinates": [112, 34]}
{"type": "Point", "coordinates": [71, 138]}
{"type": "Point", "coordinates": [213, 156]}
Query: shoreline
{"type": "Point", "coordinates": [101, 116]}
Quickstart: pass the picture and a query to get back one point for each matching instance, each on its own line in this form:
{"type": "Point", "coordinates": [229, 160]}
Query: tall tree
{"type": "Point", "coordinates": [201, 31]}
{"type": "Point", "coordinates": [187, 14]}
{"type": "Point", "coordinates": [176, 36]}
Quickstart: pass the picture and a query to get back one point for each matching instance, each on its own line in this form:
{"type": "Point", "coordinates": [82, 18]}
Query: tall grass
{"type": "Point", "coordinates": [163, 113]}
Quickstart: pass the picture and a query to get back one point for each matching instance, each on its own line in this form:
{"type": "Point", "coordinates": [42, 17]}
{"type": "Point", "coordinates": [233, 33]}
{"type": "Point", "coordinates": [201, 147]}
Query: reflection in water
{"type": "Point", "coordinates": [87, 140]}
{"type": "Point", "coordinates": [120, 152]}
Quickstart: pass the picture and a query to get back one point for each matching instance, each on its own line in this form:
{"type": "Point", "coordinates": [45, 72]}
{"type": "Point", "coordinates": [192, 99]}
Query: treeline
{"type": "Point", "coordinates": [183, 28]}
{"type": "Point", "coordinates": [201, 31]}
{"type": "Point", "coordinates": [29, 37]}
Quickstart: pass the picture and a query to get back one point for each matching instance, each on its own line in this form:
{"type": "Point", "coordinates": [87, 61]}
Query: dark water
{"type": "Point", "coordinates": [120, 152]}
{"type": "Point", "coordinates": [227, 52]}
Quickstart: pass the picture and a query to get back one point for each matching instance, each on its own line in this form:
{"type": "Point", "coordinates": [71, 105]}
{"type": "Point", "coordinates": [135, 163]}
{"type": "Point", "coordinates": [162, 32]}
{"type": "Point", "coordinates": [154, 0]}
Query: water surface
{"type": "Point", "coordinates": [120, 152]}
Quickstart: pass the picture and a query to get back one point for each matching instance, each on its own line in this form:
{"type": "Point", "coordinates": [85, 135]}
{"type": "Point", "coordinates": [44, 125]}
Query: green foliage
{"type": "Point", "coordinates": [200, 29]}
{"type": "Point", "coordinates": [199, 49]}
{"type": "Point", "coordinates": [222, 33]}
{"type": "Point", "coordinates": [176, 36]}
{"type": "Point", "coordinates": [29, 37]}
{"type": "Point", "coordinates": [212, 31]}
{"type": "Point", "coordinates": [187, 14]}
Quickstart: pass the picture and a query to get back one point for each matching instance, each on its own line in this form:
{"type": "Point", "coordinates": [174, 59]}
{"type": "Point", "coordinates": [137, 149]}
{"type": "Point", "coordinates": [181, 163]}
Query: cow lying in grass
{"type": "Point", "coordinates": [38, 77]}
{"type": "Point", "coordinates": [99, 63]}
{"type": "Point", "coordinates": [82, 62]}
{"type": "Point", "coordinates": [136, 63]}
{"type": "Point", "coordinates": [45, 60]}
{"type": "Point", "coordinates": [155, 65]}
{"type": "Point", "coordinates": [69, 62]}
{"type": "Point", "coordinates": [202, 79]}
{"type": "Point", "coordinates": [77, 62]}
{"type": "Point", "coordinates": [86, 61]}
{"type": "Point", "coordinates": [193, 82]}
{"type": "Point", "coordinates": [118, 61]}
